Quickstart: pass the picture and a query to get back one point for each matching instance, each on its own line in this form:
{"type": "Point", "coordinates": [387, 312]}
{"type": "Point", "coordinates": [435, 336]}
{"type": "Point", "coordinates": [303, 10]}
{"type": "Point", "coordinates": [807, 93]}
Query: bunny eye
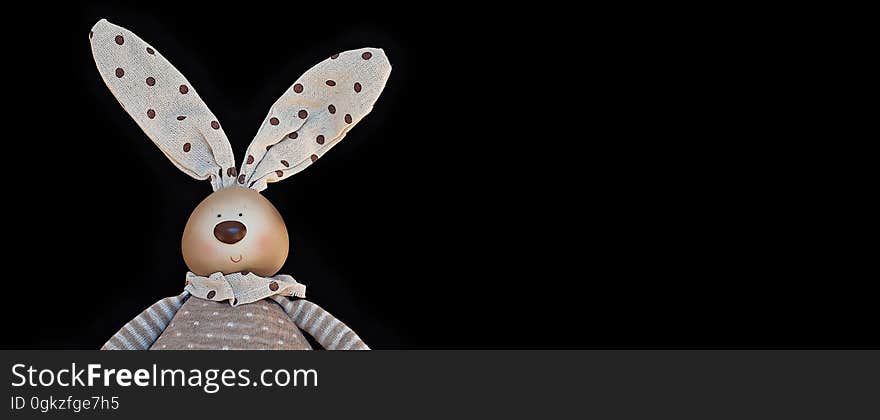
{"type": "Point", "coordinates": [218, 215]}
{"type": "Point", "coordinates": [239, 215]}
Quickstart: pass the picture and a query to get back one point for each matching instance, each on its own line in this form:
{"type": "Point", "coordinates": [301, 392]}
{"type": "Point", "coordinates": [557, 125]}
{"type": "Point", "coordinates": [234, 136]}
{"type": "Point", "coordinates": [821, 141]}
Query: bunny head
{"type": "Point", "coordinates": [236, 229]}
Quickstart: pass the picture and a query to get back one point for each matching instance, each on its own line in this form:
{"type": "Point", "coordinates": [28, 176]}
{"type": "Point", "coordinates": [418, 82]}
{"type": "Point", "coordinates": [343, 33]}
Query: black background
{"type": "Point", "coordinates": [530, 178]}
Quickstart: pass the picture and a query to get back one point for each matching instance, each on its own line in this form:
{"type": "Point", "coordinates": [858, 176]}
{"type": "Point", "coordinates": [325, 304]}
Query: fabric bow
{"type": "Point", "coordinates": [240, 288]}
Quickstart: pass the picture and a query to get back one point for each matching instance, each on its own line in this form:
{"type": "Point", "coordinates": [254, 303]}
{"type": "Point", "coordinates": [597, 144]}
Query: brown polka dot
{"type": "Point", "coordinates": [303, 114]}
{"type": "Point", "coordinates": [298, 88]}
{"type": "Point", "coordinates": [330, 83]}
{"type": "Point", "coordinates": [183, 89]}
{"type": "Point", "coordinates": [151, 114]}
{"type": "Point", "coordinates": [293, 135]}
{"type": "Point", "coordinates": [357, 87]}
{"type": "Point", "coordinates": [120, 40]}
{"type": "Point", "coordinates": [273, 286]}
{"type": "Point", "coordinates": [181, 117]}
{"type": "Point", "coordinates": [150, 51]}
{"type": "Point", "coordinates": [320, 139]}
{"type": "Point", "coordinates": [348, 118]}
{"type": "Point", "coordinates": [250, 159]}
{"type": "Point", "coordinates": [231, 172]}
{"type": "Point", "coordinates": [211, 294]}
{"type": "Point", "coordinates": [332, 109]}
{"type": "Point", "coordinates": [241, 179]}
{"type": "Point", "coordinates": [367, 55]}
{"type": "Point", "coordinates": [151, 81]}
{"type": "Point", "coordinates": [284, 162]}
{"type": "Point", "coordinates": [334, 56]}
{"type": "Point", "coordinates": [279, 174]}
{"type": "Point", "coordinates": [273, 121]}
{"type": "Point", "coordinates": [120, 72]}
{"type": "Point", "coordinates": [187, 147]}
{"type": "Point", "coordinates": [313, 157]}
{"type": "Point", "coordinates": [215, 125]}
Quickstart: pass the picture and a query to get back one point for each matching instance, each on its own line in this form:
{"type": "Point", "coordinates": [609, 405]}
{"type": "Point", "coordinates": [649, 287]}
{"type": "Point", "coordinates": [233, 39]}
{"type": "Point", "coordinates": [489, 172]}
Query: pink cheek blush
{"type": "Point", "coordinates": [206, 249]}
{"type": "Point", "coordinates": [265, 242]}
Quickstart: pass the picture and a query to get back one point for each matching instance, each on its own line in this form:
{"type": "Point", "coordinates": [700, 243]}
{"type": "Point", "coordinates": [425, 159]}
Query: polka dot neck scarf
{"type": "Point", "coordinates": [303, 124]}
{"type": "Point", "coordinates": [242, 288]}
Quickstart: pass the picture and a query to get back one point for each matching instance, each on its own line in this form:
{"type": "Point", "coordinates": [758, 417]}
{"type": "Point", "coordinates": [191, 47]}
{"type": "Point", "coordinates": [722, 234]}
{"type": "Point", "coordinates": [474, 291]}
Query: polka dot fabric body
{"type": "Point", "coordinates": [303, 124]}
{"type": "Point", "coordinates": [207, 325]}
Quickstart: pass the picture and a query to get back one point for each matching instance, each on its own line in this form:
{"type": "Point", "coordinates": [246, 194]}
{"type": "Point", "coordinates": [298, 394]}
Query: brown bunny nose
{"type": "Point", "coordinates": [230, 231]}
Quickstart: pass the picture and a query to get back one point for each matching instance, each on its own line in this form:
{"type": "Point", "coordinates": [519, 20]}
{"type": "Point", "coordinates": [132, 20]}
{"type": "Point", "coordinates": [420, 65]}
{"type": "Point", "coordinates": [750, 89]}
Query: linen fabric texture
{"type": "Point", "coordinates": [309, 118]}
{"type": "Point", "coordinates": [241, 288]}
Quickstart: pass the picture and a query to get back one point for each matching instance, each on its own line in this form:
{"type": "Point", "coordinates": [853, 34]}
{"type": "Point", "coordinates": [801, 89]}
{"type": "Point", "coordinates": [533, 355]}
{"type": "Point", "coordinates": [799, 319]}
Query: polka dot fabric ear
{"type": "Point", "coordinates": [314, 114]}
{"type": "Point", "coordinates": [163, 103]}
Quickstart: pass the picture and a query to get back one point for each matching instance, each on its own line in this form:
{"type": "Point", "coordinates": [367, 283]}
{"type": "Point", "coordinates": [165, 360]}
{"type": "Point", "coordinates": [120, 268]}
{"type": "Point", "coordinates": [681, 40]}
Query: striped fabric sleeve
{"type": "Point", "coordinates": [328, 331]}
{"type": "Point", "coordinates": [141, 332]}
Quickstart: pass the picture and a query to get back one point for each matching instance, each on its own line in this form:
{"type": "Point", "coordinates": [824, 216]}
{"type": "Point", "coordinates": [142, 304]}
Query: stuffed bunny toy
{"type": "Point", "coordinates": [235, 241]}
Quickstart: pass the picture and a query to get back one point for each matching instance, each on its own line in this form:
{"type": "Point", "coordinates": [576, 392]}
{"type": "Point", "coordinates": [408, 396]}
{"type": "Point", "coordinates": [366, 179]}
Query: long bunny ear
{"type": "Point", "coordinates": [163, 103]}
{"type": "Point", "coordinates": [314, 114]}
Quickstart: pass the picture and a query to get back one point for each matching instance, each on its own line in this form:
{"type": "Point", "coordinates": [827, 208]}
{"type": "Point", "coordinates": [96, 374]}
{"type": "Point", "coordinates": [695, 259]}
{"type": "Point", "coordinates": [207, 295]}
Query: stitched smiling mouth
{"type": "Point", "coordinates": [234, 260]}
